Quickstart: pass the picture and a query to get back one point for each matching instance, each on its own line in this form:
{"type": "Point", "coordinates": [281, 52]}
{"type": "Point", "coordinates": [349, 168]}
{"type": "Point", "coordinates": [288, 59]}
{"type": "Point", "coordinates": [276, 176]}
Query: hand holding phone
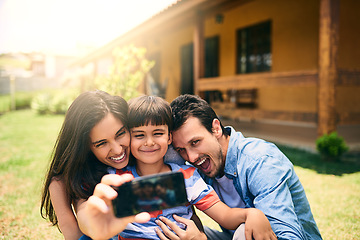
{"type": "Point", "coordinates": [150, 193]}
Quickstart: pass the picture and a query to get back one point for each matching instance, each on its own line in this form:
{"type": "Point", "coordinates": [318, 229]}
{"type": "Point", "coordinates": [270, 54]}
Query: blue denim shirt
{"type": "Point", "coordinates": [265, 179]}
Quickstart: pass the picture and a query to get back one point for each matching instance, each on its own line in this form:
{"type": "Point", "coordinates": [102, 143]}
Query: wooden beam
{"type": "Point", "coordinates": [199, 57]}
{"type": "Point", "coordinates": [230, 111]}
{"type": "Point", "coordinates": [257, 80]}
{"type": "Point", "coordinates": [328, 68]}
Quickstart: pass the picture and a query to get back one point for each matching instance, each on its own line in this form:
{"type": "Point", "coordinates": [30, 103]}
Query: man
{"type": "Point", "coordinates": [245, 172]}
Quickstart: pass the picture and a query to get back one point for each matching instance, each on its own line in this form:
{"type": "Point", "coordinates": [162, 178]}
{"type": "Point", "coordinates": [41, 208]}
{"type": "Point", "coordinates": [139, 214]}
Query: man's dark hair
{"type": "Point", "coordinates": [188, 105]}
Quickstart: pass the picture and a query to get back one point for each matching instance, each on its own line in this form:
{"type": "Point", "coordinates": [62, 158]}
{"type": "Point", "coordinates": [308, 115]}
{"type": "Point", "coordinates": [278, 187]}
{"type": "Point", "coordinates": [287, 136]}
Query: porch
{"type": "Point", "coordinates": [224, 96]}
{"type": "Point", "coordinates": [299, 135]}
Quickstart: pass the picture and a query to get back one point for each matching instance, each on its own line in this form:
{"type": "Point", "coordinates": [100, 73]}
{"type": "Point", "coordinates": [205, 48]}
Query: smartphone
{"type": "Point", "coordinates": [150, 193]}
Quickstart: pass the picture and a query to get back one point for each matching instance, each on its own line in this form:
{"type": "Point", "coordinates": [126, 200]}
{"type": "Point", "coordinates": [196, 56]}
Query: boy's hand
{"type": "Point", "coordinates": [257, 226]}
{"type": "Point", "coordinates": [190, 233]}
{"type": "Point", "coordinates": [96, 217]}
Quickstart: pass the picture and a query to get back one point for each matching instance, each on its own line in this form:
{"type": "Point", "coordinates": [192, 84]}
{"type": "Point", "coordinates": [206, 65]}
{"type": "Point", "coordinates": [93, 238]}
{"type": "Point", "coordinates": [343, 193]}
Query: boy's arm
{"type": "Point", "coordinates": [96, 217]}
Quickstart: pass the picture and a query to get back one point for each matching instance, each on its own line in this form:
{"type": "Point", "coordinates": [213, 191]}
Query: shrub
{"type": "Point", "coordinates": [331, 146]}
{"type": "Point", "coordinates": [22, 101]}
{"type": "Point", "coordinates": [56, 103]}
{"type": "Point", "coordinates": [40, 103]}
{"type": "Point", "coordinates": [60, 103]}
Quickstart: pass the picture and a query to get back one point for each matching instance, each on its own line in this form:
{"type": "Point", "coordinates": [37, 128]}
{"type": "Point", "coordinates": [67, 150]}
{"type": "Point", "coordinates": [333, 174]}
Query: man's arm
{"type": "Point", "coordinates": [278, 192]}
{"type": "Point", "coordinates": [256, 224]}
{"type": "Point", "coordinates": [190, 233]}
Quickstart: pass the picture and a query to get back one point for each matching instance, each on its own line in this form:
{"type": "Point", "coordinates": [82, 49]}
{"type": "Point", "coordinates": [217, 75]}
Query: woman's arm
{"type": "Point", "coordinates": [96, 217]}
{"type": "Point", "coordinates": [64, 213]}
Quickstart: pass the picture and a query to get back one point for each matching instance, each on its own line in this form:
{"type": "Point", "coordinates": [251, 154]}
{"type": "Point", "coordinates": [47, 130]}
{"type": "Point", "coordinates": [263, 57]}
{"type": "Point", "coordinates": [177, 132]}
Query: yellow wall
{"type": "Point", "coordinates": [300, 99]}
{"type": "Point", "coordinates": [294, 47]}
{"type": "Point", "coordinates": [347, 99]}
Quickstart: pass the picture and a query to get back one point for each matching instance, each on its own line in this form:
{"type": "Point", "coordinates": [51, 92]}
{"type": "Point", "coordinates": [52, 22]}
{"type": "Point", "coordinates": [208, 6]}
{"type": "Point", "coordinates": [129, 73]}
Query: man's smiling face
{"type": "Point", "coordinates": [200, 147]}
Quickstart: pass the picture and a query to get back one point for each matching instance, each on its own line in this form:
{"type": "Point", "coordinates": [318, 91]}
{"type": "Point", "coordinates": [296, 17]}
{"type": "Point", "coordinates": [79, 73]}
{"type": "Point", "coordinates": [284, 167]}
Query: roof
{"type": "Point", "coordinates": [176, 13]}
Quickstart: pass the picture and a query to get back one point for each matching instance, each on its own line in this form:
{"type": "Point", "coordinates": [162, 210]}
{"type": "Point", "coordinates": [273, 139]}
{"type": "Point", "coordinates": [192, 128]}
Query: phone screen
{"type": "Point", "coordinates": [150, 193]}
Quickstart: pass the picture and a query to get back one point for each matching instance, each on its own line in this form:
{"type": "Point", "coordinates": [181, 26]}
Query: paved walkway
{"type": "Point", "coordinates": [301, 135]}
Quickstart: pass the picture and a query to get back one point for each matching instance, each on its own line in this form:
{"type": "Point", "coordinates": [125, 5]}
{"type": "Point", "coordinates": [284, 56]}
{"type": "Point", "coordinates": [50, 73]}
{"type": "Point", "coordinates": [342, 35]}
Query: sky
{"type": "Point", "coordinates": [60, 26]}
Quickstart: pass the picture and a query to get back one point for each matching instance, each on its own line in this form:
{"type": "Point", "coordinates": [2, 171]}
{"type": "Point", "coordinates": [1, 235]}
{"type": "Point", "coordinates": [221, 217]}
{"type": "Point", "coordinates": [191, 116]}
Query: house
{"type": "Point", "coordinates": [294, 61]}
{"type": "Point", "coordinates": [25, 72]}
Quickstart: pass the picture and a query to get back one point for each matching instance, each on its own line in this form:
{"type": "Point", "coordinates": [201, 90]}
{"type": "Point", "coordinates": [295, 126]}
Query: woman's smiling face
{"type": "Point", "coordinates": [110, 141]}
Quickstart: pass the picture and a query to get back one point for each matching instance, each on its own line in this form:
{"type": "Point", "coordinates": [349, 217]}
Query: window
{"type": "Point", "coordinates": [212, 56]}
{"type": "Point", "coordinates": [254, 48]}
{"type": "Point", "coordinates": [212, 66]}
{"type": "Point", "coordinates": [187, 68]}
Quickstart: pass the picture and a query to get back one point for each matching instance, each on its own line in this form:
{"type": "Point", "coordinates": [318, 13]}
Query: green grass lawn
{"type": "Point", "coordinates": [26, 141]}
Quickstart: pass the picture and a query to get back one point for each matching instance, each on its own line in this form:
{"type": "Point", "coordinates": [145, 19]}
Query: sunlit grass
{"type": "Point", "coordinates": [26, 141]}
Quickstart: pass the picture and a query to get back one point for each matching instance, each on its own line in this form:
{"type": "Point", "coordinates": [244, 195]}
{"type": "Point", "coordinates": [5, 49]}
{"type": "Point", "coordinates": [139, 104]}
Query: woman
{"type": "Point", "coordinates": [93, 137]}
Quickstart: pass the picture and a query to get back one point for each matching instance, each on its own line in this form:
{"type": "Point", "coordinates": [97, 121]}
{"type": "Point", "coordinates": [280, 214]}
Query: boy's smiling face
{"type": "Point", "coordinates": [149, 143]}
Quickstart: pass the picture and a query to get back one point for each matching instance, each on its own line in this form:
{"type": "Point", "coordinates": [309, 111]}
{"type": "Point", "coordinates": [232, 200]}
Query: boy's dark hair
{"type": "Point", "coordinates": [188, 105]}
{"type": "Point", "coordinates": [146, 110]}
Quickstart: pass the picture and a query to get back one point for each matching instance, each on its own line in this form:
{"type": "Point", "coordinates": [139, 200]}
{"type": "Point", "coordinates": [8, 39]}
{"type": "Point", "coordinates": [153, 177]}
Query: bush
{"type": "Point", "coordinates": [60, 103]}
{"type": "Point", "coordinates": [22, 101]}
{"type": "Point", "coordinates": [40, 103]}
{"type": "Point", "coordinates": [331, 146]}
{"type": "Point", "coordinates": [57, 103]}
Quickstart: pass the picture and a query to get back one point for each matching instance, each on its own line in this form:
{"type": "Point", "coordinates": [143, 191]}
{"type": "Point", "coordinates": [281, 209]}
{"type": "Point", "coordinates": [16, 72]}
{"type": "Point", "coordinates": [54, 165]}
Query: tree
{"type": "Point", "coordinates": [128, 70]}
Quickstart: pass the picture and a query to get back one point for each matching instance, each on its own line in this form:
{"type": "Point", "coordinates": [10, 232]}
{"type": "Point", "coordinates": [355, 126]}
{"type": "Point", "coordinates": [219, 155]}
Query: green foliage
{"type": "Point", "coordinates": [22, 101]}
{"type": "Point", "coordinates": [126, 73]}
{"type": "Point", "coordinates": [58, 103]}
{"type": "Point", "coordinates": [40, 103]}
{"type": "Point", "coordinates": [331, 146]}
